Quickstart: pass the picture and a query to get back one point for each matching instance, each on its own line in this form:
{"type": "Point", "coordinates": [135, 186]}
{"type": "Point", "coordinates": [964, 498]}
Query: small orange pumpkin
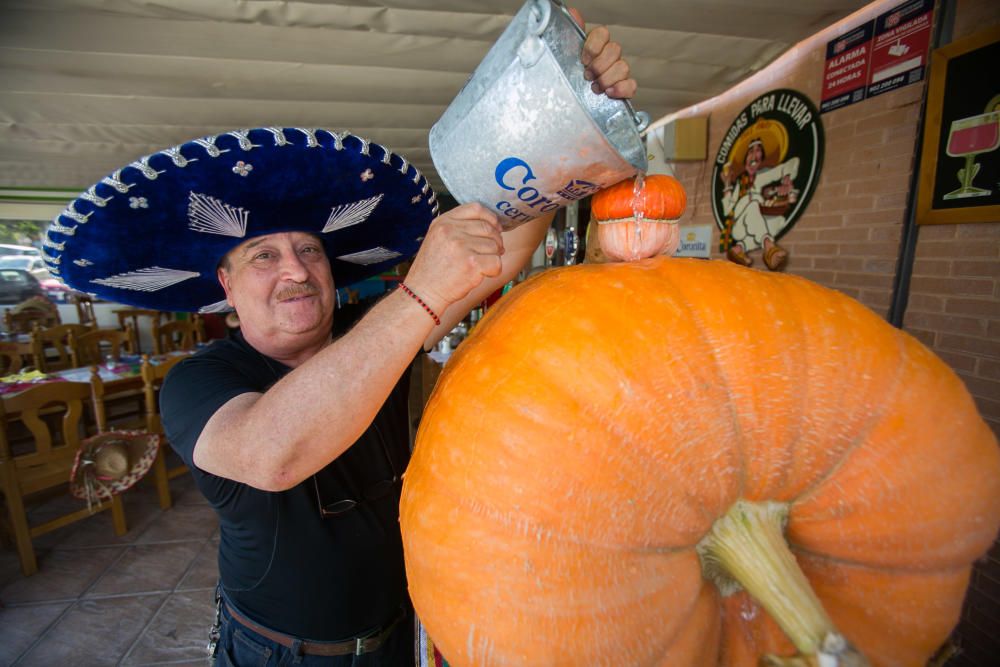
{"type": "Point", "coordinates": [615, 444]}
{"type": "Point", "coordinates": [638, 224]}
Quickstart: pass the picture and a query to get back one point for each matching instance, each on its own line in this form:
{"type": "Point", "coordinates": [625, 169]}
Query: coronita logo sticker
{"type": "Point", "coordinates": [766, 170]}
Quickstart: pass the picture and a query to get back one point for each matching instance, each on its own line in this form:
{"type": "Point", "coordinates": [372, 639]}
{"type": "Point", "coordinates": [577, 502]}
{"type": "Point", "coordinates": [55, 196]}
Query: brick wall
{"type": "Point", "coordinates": [954, 308]}
{"type": "Point", "coordinates": [849, 237]}
{"type": "Point", "coordinates": [954, 305]}
{"type": "Point", "coordinates": [849, 240]}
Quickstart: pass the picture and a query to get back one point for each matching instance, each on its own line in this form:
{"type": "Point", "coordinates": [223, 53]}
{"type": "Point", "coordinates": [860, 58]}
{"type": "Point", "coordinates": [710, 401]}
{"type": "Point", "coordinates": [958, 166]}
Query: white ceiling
{"type": "Point", "coordinates": [87, 86]}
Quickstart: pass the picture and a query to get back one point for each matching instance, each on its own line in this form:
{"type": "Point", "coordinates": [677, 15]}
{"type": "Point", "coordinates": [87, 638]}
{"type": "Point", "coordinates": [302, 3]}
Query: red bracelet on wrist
{"type": "Point", "coordinates": [409, 292]}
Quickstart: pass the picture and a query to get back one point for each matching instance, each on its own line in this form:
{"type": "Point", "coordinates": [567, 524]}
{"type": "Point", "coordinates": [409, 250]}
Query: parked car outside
{"type": "Point", "coordinates": [17, 285]}
{"type": "Point", "coordinates": [30, 263]}
{"type": "Point", "coordinates": [55, 289]}
{"type": "Point", "coordinates": [9, 249]}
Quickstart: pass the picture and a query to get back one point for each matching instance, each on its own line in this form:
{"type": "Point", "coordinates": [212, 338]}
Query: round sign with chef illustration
{"type": "Point", "coordinates": [764, 174]}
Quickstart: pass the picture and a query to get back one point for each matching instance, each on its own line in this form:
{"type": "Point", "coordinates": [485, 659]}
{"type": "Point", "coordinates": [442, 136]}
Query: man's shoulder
{"type": "Point", "coordinates": [219, 357]}
{"type": "Point", "coordinates": [222, 349]}
{"type": "Point", "coordinates": [196, 387]}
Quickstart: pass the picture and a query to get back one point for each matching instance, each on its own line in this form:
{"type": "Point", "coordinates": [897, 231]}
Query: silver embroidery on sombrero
{"type": "Point", "coordinates": [142, 164]}
{"type": "Point", "coordinates": [373, 256]}
{"type": "Point", "coordinates": [279, 136]}
{"type": "Point", "coordinates": [208, 143]}
{"type": "Point", "coordinates": [115, 181]}
{"type": "Point", "coordinates": [49, 259]}
{"type": "Point", "coordinates": [242, 168]}
{"type": "Point", "coordinates": [387, 153]}
{"type": "Point", "coordinates": [243, 137]}
{"type": "Point", "coordinates": [426, 187]}
{"type": "Point", "coordinates": [175, 156]}
{"type": "Point", "coordinates": [364, 144]}
{"type": "Point", "coordinates": [212, 216]}
{"type": "Point", "coordinates": [56, 228]}
{"type": "Point", "coordinates": [217, 307]}
{"type": "Point", "coordinates": [72, 214]}
{"type": "Point", "coordinates": [311, 141]}
{"type": "Point", "coordinates": [83, 262]}
{"type": "Point", "coordinates": [406, 165]}
{"type": "Point", "coordinates": [417, 176]}
{"type": "Point", "coordinates": [49, 243]}
{"type": "Point", "coordinates": [338, 139]}
{"type": "Point", "coordinates": [146, 280]}
{"type": "Point", "coordinates": [92, 196]}
{"type": "Point", "coordinates": [345, 215]}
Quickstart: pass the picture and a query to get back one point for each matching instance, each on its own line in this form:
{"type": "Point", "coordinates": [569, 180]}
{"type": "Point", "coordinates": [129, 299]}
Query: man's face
{"type": "Point", "coordinates": [280, 285]}
{"type": "Point", "coordinates": [755, 155]}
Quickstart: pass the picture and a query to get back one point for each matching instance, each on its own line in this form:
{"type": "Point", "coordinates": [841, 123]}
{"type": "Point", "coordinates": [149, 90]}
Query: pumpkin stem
{"type": "Point", "coordinates": [746, 548]}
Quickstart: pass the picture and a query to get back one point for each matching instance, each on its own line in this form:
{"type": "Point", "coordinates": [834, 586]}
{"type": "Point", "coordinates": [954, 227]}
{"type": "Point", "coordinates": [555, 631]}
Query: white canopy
{"type": "Point", "coordinates": [87, 86]}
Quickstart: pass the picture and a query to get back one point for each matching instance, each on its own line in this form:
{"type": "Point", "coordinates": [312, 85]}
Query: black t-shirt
{"type": "Point", "coordinates": [281, 563]}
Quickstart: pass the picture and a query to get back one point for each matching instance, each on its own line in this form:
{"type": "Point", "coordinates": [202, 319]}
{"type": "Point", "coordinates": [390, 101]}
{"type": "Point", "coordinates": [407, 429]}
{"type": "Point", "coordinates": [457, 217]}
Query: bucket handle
{"type": "Point", "coordinates": [640, 118]}
{"type": "Point", "coordinates": [539, 17]}
{"type": "Point", "coordinates": [532, 48]}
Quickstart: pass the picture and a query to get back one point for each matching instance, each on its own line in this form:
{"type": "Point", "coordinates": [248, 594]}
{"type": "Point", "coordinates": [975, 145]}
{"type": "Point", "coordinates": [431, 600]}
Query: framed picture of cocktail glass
{"type": "Point", "coordinates": [960, 160]}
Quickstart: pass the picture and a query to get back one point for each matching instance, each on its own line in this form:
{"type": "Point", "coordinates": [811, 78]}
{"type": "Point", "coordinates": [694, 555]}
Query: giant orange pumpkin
{"type": "Point", "coordinates": [686, 463]}
{"type": "Point", "coordinates": [637, 218]}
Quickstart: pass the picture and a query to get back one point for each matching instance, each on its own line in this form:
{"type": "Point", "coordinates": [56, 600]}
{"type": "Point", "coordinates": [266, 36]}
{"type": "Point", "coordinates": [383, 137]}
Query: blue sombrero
{"type": "Point", "coordinates": [152, 233]}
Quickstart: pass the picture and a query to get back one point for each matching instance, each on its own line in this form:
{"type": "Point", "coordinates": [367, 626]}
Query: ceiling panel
{"type": "Point", "coordinates": [87, 86]}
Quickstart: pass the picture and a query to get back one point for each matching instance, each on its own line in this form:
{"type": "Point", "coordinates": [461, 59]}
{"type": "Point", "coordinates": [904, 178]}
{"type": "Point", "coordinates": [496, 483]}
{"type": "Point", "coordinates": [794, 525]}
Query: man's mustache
{"type": "Point", "coordinates": [294, 291]}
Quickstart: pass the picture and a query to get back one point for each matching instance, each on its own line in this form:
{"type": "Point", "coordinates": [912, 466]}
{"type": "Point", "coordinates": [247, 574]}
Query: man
{"type": "Point", "coordinates": [742, 196]}
{"type": "Point", "coordinates": [299, 438]}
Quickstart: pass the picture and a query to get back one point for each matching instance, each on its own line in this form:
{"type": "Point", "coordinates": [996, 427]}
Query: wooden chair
{"type": "Point", "coordinates": [10, 358]}
{"type": "Point", "coordinates": [84, 309]}
{"type": "Point", "coordinates": [96, 345]}
{"type": "Point", "coordinates": [50, 347]}
{"type": "Point", "coordinates": [24, 321]}
{"type": "Point", "coordinates": [152, 379]}
{"type": "Point", "coordinates": [178, 335]}
{"type": "Point", "coordinates": [48, 465]}
{"type": "Point", "coordinates": [134, 315]}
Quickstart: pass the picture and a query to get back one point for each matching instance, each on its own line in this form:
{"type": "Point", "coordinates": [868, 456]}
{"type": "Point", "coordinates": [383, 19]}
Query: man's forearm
{"type": "Point", "coordinates": [274, 440]}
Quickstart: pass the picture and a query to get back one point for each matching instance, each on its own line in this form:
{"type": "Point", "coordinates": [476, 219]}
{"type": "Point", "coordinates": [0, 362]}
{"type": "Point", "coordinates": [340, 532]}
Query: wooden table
{"type": "Point", "coordinates": [124, 399]}
{"type": "Point", "coordinates": [118, 376]}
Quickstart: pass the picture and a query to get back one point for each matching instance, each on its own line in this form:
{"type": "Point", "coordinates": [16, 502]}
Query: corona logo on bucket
{"type": "Point", "coordinates": [514, 174]}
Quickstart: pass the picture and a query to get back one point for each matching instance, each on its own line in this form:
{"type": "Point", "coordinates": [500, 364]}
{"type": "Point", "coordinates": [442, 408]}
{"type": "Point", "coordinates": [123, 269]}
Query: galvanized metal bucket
{"type": "Point", "coordinates": [526, 134]}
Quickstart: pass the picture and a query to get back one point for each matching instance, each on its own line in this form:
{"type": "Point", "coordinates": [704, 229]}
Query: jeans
{"type": "Point", "coordinates": [241, 647]}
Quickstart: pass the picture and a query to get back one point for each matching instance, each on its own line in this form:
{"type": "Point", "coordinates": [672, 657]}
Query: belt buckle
{"type": "Point", "coordinates": [359, 646]}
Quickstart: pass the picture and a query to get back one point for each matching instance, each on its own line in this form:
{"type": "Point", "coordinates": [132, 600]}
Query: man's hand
{"type": "Point", "coordinates": [603, 63]}
{"type": "Point", "coordinates": [460, 249]}
{"type": "Point", "coordinates": [785, 187]}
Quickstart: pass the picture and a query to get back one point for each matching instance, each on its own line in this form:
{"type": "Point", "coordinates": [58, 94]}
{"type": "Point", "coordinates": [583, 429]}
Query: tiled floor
{"type": "Point", "coordinates": [141, 599]}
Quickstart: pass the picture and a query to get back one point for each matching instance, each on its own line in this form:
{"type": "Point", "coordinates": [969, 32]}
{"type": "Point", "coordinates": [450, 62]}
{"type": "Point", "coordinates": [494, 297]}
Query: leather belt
{"type": "Point", "coordinates": [356, 646]}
